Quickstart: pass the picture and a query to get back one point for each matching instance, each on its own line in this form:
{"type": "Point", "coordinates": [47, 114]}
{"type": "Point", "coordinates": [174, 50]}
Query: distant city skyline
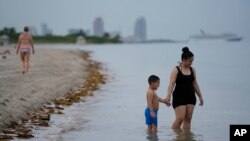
{"type": "Point", "coordinates": [97, 29]}
{"type": "Point", "coordinates": [165, 18]}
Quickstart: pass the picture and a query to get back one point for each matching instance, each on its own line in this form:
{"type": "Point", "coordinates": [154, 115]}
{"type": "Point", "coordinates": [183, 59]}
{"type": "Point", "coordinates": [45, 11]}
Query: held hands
{"type": "Point", "coordinates": [167, 101]}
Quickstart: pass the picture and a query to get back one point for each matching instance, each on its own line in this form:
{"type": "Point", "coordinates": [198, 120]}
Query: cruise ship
{"type": "Point", "coordinates": [224, 36]}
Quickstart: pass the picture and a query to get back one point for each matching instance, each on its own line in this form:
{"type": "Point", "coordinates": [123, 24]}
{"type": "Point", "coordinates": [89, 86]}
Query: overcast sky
{"type": "Point", "coordinates": [174, 19]}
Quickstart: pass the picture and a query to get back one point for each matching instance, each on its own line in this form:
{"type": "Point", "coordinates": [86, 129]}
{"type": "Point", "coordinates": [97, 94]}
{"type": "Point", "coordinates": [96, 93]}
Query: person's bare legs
{"type": "Point", "coordinates": [26, 61]}
{"type": "Point", "coordinates": [188, 117]}
{"type": "Point", "coordinates": [22, 55]}
{"type": "Point", "coordinates": [153, 128]}
{"type": "Point", "coordinates": [180, 113]}
{"type": "Point", "coordinates": [149, 128]}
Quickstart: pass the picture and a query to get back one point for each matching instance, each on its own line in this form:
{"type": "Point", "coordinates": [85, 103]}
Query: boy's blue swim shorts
{"type": "Point", "coordinates": [150, 120]}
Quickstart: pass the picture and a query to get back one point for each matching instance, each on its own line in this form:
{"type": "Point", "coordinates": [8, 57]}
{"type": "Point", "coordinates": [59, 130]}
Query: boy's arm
{"type": "Point", "coordinates": [161, 100]}
{"type": "Point", "coordinates": [150, 101]}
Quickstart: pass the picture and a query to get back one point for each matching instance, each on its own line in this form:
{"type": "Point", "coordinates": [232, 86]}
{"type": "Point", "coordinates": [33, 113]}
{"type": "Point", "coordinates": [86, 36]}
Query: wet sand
{"type": "Point", "coordinates": [53, 73]}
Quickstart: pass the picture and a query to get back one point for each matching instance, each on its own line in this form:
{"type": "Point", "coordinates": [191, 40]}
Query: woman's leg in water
{"type": "Point", "coordinates": [180, 113]}
{"type": "Point", "coordinates": [188, 117]}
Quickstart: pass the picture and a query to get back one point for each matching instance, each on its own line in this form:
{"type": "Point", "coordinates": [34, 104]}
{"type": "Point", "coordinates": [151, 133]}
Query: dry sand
{"type": "Point", "coordinates": [53, 72]}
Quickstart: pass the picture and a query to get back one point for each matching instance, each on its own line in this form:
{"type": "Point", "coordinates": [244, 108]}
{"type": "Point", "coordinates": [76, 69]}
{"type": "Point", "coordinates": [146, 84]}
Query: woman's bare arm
{"type": "Point", "coordinates": [171, 85]}
{"type": "Point", "coordinates": [18, 45]}
{"type": "Point", "coordinates": [197, 88]}
{"type": "Point", "coordinates": [32, 44]}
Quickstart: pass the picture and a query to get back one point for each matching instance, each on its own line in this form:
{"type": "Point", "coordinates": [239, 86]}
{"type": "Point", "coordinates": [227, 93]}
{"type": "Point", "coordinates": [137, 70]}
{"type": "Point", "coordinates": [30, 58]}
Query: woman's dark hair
{"type": "Point", "coordinates": [26, 29]}
{"type": "Point", "coordinates": [153, 78]}
{"type": "Point", "coordinates": [186, 53]}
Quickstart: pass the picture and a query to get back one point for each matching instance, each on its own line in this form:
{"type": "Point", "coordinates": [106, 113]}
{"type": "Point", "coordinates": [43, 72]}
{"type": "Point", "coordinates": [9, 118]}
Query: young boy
{"type": "Point", "coordinates": [152, 103]}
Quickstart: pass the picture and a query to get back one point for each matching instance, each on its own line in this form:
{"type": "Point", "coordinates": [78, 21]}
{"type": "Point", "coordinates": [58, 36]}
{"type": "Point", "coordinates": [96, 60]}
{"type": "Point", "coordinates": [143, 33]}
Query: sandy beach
{"type": "Point", "coordinates": [53, 73]}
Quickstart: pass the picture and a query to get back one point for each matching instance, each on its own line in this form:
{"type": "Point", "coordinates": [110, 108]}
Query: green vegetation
{"type": "Point", "coordinates": [11, 33]}
{"type": "Point", "coordinates": [13, 36]}
{"type": "Point", "coordinates": [104, 39]}
{"type": "Point", "coordinates": [54, 39]}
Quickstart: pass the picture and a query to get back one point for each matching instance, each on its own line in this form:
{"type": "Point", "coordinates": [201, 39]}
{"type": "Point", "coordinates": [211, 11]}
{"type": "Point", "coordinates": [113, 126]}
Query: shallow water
{"type": "Point", "coordinates": [116, 112]}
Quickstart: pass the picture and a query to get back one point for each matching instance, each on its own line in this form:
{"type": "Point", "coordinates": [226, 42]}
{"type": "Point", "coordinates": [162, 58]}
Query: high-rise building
{"type": "Point", "coordinates": [45, 30]}
{"type": "Point", "coordinates": [140, 29]}
{"type": "Point", "coordinates": [98, 27]}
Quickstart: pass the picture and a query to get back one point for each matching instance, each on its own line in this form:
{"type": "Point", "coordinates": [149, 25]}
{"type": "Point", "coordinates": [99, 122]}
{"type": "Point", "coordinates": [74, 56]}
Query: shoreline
{"type": "Point", "coordinates": [49, 95]}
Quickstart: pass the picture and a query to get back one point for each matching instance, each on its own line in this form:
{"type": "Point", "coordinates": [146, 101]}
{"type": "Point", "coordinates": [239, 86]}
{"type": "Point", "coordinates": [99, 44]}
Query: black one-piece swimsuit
{"type": "Point", "coordinates": [184, 91]}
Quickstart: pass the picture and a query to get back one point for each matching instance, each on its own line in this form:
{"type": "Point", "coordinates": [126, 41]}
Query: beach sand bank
{"type": "Point", "coordinates": [53, 73]}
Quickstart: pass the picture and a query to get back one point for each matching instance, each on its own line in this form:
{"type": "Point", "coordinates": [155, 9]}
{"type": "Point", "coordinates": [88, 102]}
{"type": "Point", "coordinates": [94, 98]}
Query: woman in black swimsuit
{"type": "Point", "coordinates": [183, 84]}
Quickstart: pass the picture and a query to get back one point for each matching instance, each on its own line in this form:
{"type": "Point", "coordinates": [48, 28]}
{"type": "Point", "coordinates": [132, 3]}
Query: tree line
{"type": "Point", "coordinates": [70, 38]}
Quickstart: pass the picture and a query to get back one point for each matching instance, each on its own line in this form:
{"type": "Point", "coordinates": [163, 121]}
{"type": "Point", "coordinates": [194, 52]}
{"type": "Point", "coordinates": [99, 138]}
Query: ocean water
{"type": "Point", "coordinates": [116, 112]}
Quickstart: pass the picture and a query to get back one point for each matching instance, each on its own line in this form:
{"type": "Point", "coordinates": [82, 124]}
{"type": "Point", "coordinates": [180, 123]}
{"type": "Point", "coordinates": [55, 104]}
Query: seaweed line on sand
{"type": "Point", "coordinates": [41, 117]}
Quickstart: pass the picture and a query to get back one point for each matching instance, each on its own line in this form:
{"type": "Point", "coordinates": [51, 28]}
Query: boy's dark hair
{"type": "Point", "coordinates": [153, 78]}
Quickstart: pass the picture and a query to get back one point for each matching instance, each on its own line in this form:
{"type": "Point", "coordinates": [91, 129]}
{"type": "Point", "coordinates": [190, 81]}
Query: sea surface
{"type": "Point", "coordinates": [116, 112]}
